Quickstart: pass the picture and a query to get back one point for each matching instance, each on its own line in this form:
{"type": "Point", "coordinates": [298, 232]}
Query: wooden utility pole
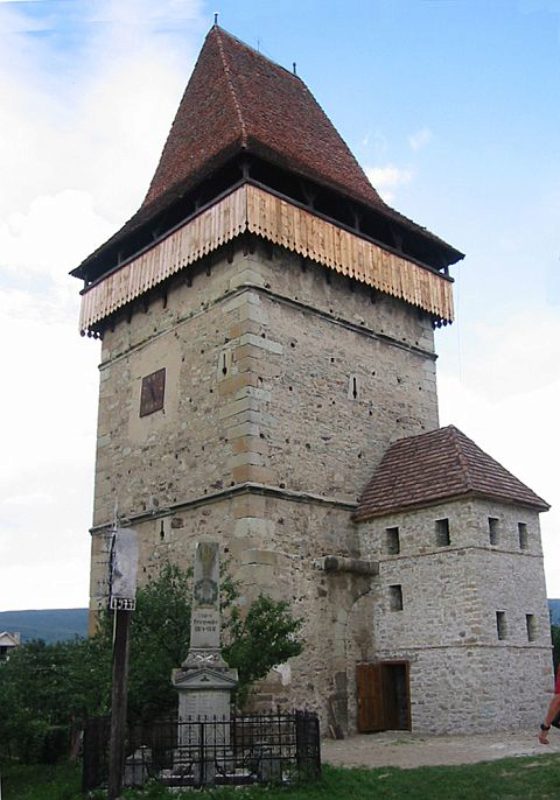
{"type": "Point", "coordinates": [118, 703]}
{"type": "Point", "coordinates": [124, 566]}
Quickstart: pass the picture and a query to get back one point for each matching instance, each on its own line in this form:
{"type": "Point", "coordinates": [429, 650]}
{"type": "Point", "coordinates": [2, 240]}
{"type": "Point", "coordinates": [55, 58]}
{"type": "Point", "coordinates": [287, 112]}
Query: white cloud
{"type": "Point", "coordinates": [55, 234]}
{"type": "Point", "coordinates": [81, 132]}
{"type": "Point", "coordinates": [420, 138]}
{"type": "Point", "coordinates": [388, 178]}
{"type": "Point", "coordinates": [503, 391]}
{"type": "Point", "coordinates": [29, 499]}
{"type": "Point", "coordinates": [514, 357]}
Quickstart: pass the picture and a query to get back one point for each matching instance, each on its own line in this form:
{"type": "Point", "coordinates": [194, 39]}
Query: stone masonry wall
{"type": "Point", "coordinates": [259, 386]}
{"type": "Point", "coordinates": [288, 381]}
{"type": "Point", "coordinates": [272, 544]}
{"type": "Point", "coordinates": [463, 676]}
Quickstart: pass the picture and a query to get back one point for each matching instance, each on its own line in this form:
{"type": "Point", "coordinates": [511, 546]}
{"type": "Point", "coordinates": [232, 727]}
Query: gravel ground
{"type": "Point", "coordinates": [409, 750]}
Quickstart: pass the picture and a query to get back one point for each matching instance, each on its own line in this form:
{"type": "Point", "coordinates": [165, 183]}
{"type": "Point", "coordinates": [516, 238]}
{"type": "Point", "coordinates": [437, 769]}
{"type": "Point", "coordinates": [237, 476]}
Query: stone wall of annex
{"type": "Point", "coordinates": [448, 625]}
{"type": "Point", "coordinates": [477, 690]}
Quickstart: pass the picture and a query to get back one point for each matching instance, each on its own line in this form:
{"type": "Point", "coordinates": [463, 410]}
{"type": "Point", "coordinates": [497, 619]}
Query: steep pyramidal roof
{"type": "Point", "coordinates": [435, 466]}
{"type": "Point", "coordinates": [239, 102]}
{"type": "Point", "coordinates": [238, 99]}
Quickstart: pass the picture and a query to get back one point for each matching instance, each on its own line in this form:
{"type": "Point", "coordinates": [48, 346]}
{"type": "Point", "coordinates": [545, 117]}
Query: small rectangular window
{"type": "Point", "coordinates": [493, 529]}
{"type": "Point", "coordinates": [442, 533]}
{"type": "Point", "coordinates": [523, 538]}
{"type": "Point", "coordinates": [392, 541]}
{"type": "Point", "coordinates": [531, 627]}
{"type": "Point", "coordinates": [395, 598]}
{"type": "Point", "coordinates": [501, 624]}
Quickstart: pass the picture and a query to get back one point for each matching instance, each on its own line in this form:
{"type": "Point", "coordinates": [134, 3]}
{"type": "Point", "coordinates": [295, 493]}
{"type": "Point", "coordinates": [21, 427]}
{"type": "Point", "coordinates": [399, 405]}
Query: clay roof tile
{"type": "Point", "coordinates": [237, 95]}
{"type": "Point", "coordinates": [436, 466]}
{"type": "Point", "coordinates": [237, 100]}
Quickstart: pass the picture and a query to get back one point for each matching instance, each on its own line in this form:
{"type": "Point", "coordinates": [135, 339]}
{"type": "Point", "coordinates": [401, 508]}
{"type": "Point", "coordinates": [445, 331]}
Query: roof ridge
{"type": "Point", "coordinates": [353, 157]}
{"type": "Point", "coordinates": [461, 457]}
{"type": "Point", "coordinates": [259, 53]}
{"type": "Point", "coordinates": [220, 32]}
{"type": "Point", "coordinates": [229, 81]}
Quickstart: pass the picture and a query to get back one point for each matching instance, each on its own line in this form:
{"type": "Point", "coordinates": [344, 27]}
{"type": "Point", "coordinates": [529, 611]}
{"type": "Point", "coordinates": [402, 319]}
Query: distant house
{"type": "Point", "coordinates": [8, 641]}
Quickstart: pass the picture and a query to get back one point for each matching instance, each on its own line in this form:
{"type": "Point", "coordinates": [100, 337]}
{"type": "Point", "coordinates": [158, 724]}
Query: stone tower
{"type": "Point", "coordinates": [267, 333]}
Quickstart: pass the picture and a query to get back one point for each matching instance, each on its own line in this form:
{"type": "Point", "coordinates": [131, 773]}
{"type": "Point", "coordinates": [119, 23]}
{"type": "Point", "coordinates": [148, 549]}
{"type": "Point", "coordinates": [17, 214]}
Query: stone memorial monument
{"type": "Point", "coordinates": [204, 680]}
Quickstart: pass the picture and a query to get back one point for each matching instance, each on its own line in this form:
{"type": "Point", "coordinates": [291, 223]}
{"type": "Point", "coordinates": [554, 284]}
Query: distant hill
{"type": "Point", "coordinates": [51, 625]}
{"type": "Point", "coordinates": [60, 624]}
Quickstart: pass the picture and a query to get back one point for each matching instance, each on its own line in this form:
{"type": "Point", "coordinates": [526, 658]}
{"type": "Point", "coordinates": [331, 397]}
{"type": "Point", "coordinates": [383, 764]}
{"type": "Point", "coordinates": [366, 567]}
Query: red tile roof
{"type": "Point", "coordinates": [237, 100]}
{"type": "Point", "coordinates": [437, 466]}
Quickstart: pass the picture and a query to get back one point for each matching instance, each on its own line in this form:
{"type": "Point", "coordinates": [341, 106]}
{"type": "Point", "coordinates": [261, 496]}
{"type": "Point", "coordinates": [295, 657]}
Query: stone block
{"type": "Point", "coordinates": [247, 276]}
{"type": "Point", "coordinates": [249, 457]}
{"type": "Point", "coordinates": [247, 444]}
{"type": "Point", "coordinates": [240, 429]}
{"type": "Point", "coordinates": [261, 343]}
{"type": "Point", "coordinates": [252, 474]}
{"type": "Point", "coordinates": [267, 557]}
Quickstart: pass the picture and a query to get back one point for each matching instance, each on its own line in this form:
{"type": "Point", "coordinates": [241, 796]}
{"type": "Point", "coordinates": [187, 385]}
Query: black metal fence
{"type": "Point", "coordinates": [249, 748]}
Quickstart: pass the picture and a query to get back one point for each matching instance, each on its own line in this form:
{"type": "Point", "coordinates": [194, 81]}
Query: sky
{"type": "Point", "coordinates": [451, 107]}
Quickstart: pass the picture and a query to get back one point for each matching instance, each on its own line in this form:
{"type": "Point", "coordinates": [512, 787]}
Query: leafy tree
{"type": "Point", "coordinates": [55, 688]}
{"type": "Point", "coordinates": [160, 637]}
{"type": "Point", "coordinates": [50, 688]}
{"type": "Point", "coordinates": [263, 639]}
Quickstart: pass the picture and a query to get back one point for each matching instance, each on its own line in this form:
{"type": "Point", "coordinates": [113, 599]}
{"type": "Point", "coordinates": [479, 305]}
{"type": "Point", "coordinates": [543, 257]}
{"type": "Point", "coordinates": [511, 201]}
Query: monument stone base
{"type": "Point", "coordinates": [204, 682]}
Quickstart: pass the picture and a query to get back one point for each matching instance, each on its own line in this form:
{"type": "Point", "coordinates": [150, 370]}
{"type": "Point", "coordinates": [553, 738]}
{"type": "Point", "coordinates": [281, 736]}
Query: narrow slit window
{"type": "Point", "coordinates": [392, 540]}
{"type": "Point", "coordinates": [395, 598]}
{"type": "Point", "coordinates": [442, 533]}
{"type": "Point", "coordinates": [531, 622]}
{"type": "Point", "coordinates": [523, 537]}
{"type": "Point", "coordinates": [493, 529]}
{"type": "Point", "coordinates": [501, 624]}
{"type": "Point", "coordinates": [353, 388]}
{"type": "Point", "coordinates": [224, 364]}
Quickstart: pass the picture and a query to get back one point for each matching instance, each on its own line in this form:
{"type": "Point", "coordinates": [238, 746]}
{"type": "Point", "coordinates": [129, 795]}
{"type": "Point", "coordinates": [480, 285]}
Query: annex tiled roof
{"type": "Point", "coordinates": [435, 466]}
{"type": "Point", "coordinates": [237, 100]}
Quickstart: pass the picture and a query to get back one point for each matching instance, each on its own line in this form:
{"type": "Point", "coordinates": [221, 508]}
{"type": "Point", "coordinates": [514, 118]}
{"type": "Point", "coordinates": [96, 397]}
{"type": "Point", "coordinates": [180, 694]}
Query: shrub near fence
{"type": "Point", "coordinates": [254, 748]}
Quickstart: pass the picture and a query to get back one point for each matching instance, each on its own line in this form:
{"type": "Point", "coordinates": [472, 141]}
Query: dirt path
{"type": "Point", "coordinates": [409, 750]}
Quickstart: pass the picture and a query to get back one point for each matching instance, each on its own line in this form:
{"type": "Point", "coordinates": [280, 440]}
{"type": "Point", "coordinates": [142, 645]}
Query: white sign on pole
{"type": "Point", "coordinates": [124, 569]}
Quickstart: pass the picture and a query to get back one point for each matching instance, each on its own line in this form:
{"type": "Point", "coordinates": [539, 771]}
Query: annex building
{"type": "Point", "coordinates": [268, 379]}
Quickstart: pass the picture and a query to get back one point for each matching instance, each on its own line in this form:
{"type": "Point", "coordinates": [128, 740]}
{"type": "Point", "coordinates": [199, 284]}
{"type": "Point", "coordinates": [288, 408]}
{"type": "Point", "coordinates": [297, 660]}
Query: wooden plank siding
{"type": "Point", "coordinates": [250, 208]}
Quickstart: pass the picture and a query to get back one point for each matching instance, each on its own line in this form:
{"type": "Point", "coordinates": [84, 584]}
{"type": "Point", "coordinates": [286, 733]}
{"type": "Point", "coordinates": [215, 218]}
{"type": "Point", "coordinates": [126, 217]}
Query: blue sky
{"type": "Point", "coordinates": [451, 107]}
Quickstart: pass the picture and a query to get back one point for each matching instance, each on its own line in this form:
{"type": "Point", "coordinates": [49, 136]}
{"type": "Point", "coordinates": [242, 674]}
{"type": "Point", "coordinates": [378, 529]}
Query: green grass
{"type": "Point", "coordinates": [40, 782]}
{"type": "Point", "coordinates": [535, 778]}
